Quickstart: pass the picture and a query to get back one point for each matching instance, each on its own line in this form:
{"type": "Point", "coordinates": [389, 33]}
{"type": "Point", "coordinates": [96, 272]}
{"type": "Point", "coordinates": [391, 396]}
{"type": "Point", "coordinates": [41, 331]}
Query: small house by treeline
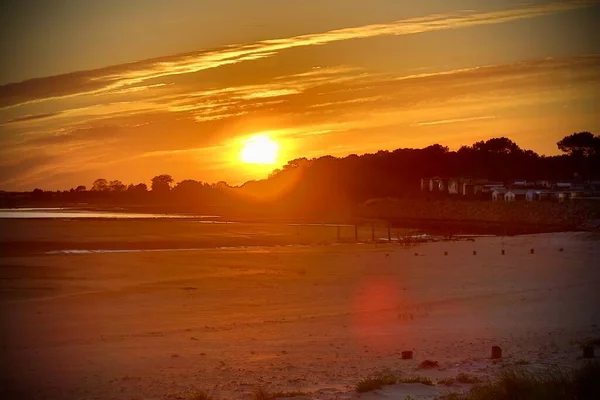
{"type": "Point", "coordinates": [517, 190]}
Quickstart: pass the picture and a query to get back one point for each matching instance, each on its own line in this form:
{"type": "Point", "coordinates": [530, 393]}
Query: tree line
{"type": "Point", "coordinates": [326, 184]}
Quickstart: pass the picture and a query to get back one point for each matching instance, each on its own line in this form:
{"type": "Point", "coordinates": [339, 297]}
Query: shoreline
{"type": "Point", "coordinates": [312, 320]}
{"type": "Point", "coordinates": [442, 226]}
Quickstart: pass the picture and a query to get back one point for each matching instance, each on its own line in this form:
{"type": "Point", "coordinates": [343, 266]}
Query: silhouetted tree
{"type": "Point", "coordinates": [100, 185]}
{"type": "Point", "coordinates": [188, 186]}
{"type": "Point", "coordinates": [139, 188]}
{"type": "Point", "coordinates": [436, 149]}
{"type": "Point", "coordinates": [582, 144]}
{"type": "Point", "coordinates": [117, 186]}
{"type": "Point", "coordinates": [80, 188]}
{"type": "Point", "coordinates": [221, 185]}
{"type": "Point", "coordinates": [162, 183]}
{"type": "Point", "coordinates": [498, 146]}
{"type": "Point", "coordinates": [318, 186]}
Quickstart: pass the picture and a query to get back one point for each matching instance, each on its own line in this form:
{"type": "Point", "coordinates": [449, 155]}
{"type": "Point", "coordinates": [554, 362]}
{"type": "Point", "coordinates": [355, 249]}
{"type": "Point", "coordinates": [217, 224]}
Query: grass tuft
{"type": "Point", "coordinates": [417, 379]}
{"type": "Point", "coordinates": [460, 378]}
{"type": "Point", "coordinates": [201, 395]}
{"type": "Point", "coordinates": [449, 381]}
{"type": "Point", "coordinates": [278, 395]}
{"type": "Point", "coordinates": [375, 382]}
{"type": "Point", "coordinates": [467, 378]}
{"type": "Point", "coordinates": [262, 394]}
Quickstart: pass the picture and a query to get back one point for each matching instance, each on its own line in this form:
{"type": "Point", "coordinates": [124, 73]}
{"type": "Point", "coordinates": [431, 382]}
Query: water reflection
{"type": "Point", "coordinates": [68, 213]}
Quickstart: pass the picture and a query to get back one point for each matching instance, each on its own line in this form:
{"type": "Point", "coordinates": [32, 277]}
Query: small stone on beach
{"type": "Point", "coordinates": [496, 352]}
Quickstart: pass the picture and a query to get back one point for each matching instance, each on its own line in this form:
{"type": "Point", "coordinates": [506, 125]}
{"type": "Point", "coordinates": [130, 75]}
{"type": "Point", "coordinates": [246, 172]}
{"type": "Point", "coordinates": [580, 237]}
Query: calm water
{"type": "Point", "coordinates": [69, 213]}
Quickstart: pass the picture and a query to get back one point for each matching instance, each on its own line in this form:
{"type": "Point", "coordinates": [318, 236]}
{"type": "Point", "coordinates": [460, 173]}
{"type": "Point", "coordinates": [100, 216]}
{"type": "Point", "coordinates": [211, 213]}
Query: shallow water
{"type": "Point", "coordinates": [69, 213]}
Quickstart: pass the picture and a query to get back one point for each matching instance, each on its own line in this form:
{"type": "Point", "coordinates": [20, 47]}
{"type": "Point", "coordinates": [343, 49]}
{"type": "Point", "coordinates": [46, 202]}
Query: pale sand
{"type": "Point", "coordinates": [316, 319]}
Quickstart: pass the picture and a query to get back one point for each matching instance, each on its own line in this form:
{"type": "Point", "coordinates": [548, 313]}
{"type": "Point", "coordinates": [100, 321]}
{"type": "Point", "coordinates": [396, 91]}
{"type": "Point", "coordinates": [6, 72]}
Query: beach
{"type": "Point", "coordinates": [284, 316]}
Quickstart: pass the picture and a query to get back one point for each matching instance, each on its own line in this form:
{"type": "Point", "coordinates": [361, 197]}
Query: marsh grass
{"type": "Point", "coordinates": [417, 379]}
{"type": "Point", "coordinates": [448, 381]}
{"type": "Point", "coordinates": [376, 382]}
{"type": "Point", "coordinates": [262, 394]}
{"type": "Point", "coordinates": [279, 395]}
{"type": "Point", "coordinates": [201, 395]}
{"type": "Point", "coordinates": [460, 378]}
{"type": "Point", "coordinates": [549, 384]}
{"type": "Point", "coordinates": [467, 378]}
{"type": "Point", "coordinates": [379, 380]}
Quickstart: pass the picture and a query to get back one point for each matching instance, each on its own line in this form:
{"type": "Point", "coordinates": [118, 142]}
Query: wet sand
{"type": "Point", "coordinates": [315, 319]}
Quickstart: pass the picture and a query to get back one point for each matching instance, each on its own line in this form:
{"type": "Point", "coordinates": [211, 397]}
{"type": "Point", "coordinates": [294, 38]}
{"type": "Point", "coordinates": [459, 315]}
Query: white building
{"type": "Point", "coordinates": [541, 195]}
{"type": "Point", "coordinates": [562, 196]}
{"type": "Point", "coordinates": [519, 194]}
{"type": "Point", "coordinates": [453, 186]}
{"type": "Point", "coordinates": [498, 194]}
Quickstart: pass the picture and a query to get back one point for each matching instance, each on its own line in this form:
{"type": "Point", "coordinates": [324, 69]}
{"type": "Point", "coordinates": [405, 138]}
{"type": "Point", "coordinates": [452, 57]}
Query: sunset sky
{"type": "Point", "coordinates": [131, 89]}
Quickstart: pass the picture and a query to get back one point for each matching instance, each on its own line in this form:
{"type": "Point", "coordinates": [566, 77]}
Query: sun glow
{"type": "Point", "coordinates": [259, 149]}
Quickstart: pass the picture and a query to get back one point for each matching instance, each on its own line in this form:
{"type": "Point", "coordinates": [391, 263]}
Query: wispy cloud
{"type": "Point", "coordinates": [192, 151]}
{"type": "Point", "coordinates": [126, 77]}
{"type": "Point", "coordinates": [148, 117]}
{"type": "Point", "coordinates": [26, 118]}
{"type": "Point", "coordinates": [270, 93]}
{"type": "Point", "coordinates": [338, 93]}
{"type": "Point", "coordinates": [454, 120]}
{"type": "Point", "coordinates": [235, 54]}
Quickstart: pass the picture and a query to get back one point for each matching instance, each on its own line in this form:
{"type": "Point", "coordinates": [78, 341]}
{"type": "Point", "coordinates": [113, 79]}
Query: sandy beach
{"type": "Point", "coordinates": [312, 318]}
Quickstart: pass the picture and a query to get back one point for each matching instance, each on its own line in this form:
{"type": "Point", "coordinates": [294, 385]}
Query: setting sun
{"type": "Point", "coordinates": [259, 149]}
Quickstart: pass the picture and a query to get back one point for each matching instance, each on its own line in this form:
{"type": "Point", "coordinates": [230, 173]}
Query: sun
{"type": "Point", "coordinates": [259, 149]}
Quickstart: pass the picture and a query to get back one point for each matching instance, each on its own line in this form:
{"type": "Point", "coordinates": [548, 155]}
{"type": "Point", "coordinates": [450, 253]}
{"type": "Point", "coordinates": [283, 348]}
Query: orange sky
{"type": "Point", "coordinates": [175, 87]}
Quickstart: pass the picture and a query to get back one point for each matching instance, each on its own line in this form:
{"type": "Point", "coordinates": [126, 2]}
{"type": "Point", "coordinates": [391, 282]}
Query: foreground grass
{"type": "Point", "coordinates": [550, 384]}
{"type": "Point", "coordinates": [460, 378]}
{"type": "Point", "coordinates": [375, 382]}
{"type": "Point", "coordinates": [510, 384]}
{"type": "Point", "coordinates": [201, 395]}
{"type": "Point", "coordinates": [417, 379]}
{"type": "Point", "coordinates": [262, 394]}
{"type": "Point", "coordinates": [378, 381]}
